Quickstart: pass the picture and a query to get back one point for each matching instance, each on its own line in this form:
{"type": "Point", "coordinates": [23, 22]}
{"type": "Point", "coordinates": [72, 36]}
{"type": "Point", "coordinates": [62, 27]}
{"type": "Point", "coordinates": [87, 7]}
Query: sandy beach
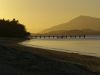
{"type": "Point", "coordinates": [16, 59]}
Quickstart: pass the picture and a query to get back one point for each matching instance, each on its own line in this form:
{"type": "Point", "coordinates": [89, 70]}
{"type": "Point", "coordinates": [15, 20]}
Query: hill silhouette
{"type": "Point", "coordinates": [12, 29]}
{"type": "Point", "coordinates": [78, 25]}
{"type": "Point", "coordinates": [72, 32]}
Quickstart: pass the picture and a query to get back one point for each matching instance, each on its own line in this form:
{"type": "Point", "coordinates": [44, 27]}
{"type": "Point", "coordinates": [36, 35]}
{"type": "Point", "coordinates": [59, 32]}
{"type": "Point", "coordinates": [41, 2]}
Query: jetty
{"type": "Point", "coordinates": [57, 36]}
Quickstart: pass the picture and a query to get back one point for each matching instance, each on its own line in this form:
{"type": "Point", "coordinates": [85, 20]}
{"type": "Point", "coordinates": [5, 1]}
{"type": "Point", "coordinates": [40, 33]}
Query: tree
{"type": "Point", "coordinates": [12, 29]}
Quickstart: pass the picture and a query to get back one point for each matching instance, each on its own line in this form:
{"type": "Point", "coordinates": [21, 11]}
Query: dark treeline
{"type": "Point", "coordinates": [12, 29]}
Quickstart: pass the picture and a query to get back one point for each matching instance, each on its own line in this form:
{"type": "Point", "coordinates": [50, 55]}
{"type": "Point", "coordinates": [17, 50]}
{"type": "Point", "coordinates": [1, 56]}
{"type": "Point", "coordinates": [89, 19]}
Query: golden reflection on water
{"type": "Point", "coordinates": [87, 47]}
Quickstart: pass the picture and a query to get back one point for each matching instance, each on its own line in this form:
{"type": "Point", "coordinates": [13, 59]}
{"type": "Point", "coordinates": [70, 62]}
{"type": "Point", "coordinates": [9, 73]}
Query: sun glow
{"type": "Point", "coordinates": [40, 14]}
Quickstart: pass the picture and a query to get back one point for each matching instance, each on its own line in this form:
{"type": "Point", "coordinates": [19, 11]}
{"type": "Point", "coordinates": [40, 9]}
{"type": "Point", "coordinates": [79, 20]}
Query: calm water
{"type": "Point", "coordinates": [82, 46]}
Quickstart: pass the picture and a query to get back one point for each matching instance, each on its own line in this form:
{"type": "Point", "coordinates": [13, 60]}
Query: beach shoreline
{"type": "Point", "coordinates": [89, 63]}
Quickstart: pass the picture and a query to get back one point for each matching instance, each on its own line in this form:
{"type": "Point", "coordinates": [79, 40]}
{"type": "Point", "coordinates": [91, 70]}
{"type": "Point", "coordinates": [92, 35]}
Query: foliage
{"type": "Point", "coordinates": [12, 29]}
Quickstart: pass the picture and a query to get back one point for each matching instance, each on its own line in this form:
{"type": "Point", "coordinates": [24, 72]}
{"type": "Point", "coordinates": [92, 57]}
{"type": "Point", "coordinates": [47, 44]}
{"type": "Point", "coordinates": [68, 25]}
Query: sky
{"type": "Point", "coordinates": [38, 15]}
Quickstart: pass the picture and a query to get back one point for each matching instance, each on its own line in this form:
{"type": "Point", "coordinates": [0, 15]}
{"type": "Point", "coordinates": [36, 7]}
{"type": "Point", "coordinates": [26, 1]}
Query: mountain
{"type": "Point", "coordinates": [81, 24]}
{"type": "Point", "coordinates": [72, 32]}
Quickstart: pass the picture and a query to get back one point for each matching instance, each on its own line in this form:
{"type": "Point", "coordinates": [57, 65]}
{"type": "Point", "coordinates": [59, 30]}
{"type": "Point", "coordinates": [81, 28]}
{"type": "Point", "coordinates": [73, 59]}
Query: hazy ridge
{"type": "Point", "coordinates": [79, 25]}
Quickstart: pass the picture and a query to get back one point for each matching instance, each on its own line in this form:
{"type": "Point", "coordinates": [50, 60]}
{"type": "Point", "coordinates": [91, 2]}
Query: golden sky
{"type": "Point", "coordinates": [37, 15]}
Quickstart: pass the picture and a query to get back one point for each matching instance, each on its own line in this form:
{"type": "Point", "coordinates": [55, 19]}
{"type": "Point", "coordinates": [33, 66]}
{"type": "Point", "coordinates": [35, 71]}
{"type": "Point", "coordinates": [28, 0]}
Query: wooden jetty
{"type": "Point", "coordinates": [58, 37]}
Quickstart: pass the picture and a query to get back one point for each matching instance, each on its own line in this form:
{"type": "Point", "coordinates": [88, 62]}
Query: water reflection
{"type": "Point", "coordinates": [82, 46]}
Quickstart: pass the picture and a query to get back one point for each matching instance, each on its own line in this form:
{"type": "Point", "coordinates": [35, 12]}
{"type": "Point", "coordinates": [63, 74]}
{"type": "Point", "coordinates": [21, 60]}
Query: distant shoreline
{"type": "Point", "coordinates": [65, 37]}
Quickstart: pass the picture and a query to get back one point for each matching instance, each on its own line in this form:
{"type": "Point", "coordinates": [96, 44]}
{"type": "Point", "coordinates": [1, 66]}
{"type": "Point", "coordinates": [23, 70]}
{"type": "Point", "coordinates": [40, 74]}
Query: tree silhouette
{"type": "Point", "coordinates": [12, 29]}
